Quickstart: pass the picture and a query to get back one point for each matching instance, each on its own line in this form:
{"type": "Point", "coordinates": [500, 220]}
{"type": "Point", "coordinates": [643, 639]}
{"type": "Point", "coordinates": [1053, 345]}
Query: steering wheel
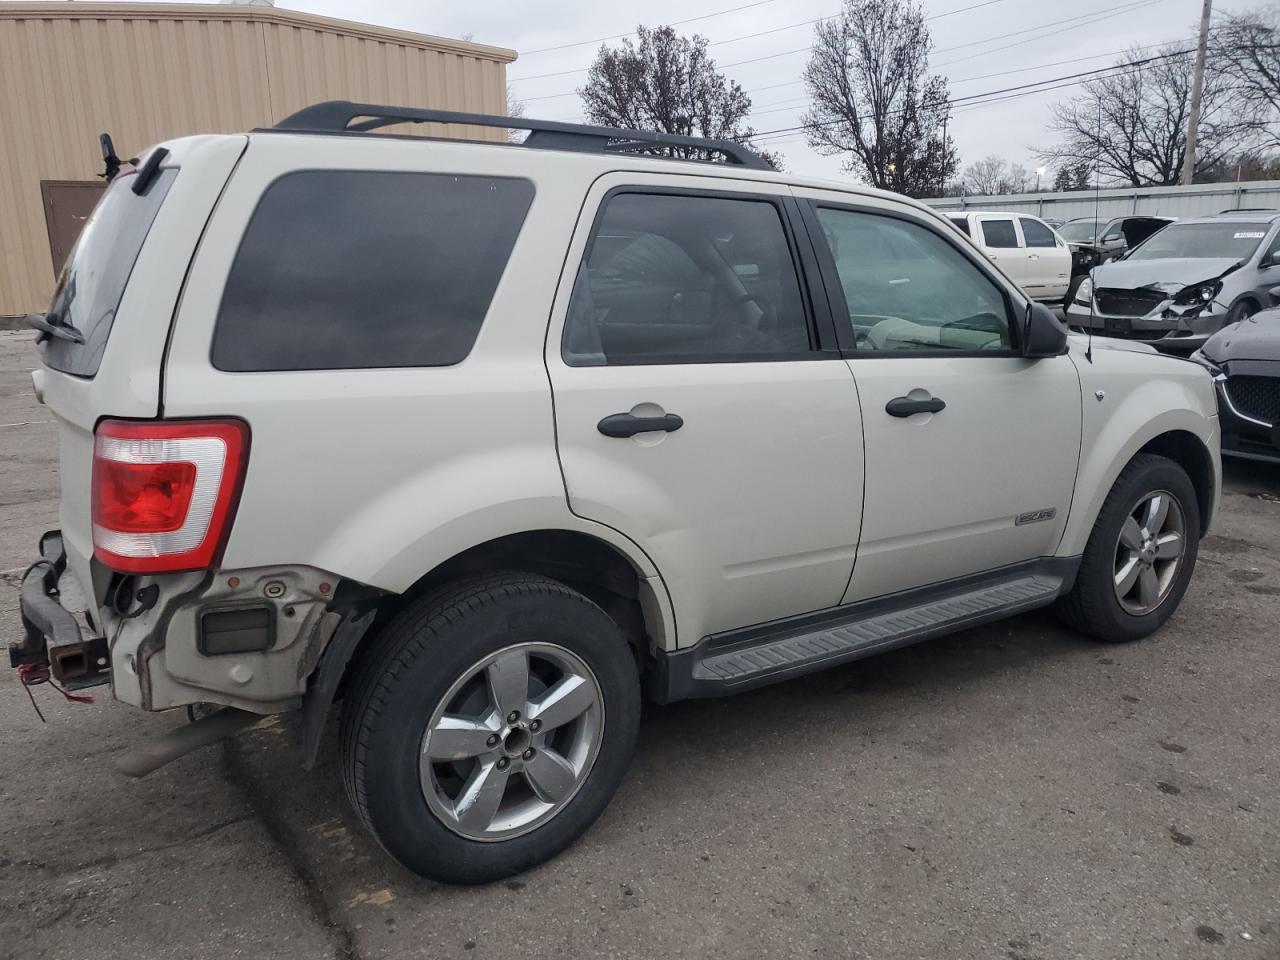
{"type": "Point", "coordinates": [767, 324]}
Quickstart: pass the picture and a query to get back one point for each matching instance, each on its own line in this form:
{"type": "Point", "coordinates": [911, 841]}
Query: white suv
{"type": "Point", "coordinates": [482, 440]}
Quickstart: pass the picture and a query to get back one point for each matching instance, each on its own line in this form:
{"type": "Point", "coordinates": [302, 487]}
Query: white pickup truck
{"type": "Point", "coordinates": [1024, 247]}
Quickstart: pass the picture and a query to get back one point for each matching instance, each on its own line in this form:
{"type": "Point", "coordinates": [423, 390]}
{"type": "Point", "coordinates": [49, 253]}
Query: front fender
{"type": "Point", "coordinates": [1143, 397]}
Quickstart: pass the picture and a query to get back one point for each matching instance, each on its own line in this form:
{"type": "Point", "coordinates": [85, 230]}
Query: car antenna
{"type": "Point", "coordinates": [109, 158]}
{"type": "Point", "coordinates": [1097, 203]}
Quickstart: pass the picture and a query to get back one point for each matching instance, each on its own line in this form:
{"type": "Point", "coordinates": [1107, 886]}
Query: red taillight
{"type": "Point", "coordinates": [164, 492]}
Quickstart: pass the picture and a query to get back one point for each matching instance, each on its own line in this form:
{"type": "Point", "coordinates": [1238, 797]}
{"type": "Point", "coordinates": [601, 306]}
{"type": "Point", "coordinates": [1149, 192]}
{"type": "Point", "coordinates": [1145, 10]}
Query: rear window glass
{"type": "Point", "coordinates": [93, 279]}
{"type": "Point", "coordinates": [346, 269]}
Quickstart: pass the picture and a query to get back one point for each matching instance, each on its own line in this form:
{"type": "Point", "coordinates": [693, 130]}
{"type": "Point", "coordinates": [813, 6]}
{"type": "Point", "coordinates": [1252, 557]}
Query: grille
{"type": "Point", "coordinates": [1128, 303]}
{"type": "Point", "coordinates": [1256, 397]}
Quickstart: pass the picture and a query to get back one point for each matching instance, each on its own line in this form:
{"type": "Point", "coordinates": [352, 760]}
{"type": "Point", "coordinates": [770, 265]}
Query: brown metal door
{"type": "Point", "coordinates": [67, 205]}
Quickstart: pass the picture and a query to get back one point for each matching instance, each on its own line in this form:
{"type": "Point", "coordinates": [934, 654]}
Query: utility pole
{"type": "Point", "coordinates": [1197, 88]}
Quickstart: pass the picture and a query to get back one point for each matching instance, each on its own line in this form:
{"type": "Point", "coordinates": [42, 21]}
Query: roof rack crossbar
{"type": "Point", "coordinates": [343, 116]}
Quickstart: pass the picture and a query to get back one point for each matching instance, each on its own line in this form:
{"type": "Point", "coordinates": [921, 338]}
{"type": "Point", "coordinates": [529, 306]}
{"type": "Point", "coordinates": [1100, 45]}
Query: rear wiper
{"type": "Point", "coordinates": [60, 330]}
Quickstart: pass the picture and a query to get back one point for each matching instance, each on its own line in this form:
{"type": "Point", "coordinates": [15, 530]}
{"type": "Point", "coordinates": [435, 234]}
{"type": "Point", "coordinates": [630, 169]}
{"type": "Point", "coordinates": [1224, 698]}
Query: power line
{"type": "Point", "coordinates": [747, 36]}
{"type": "Point", "coordinates": [808, 23]}
{"type": "Point", "coordinates": [1130, 8]}
{"type": "Point", "coordinates": [1072, 79]}
{"type": "Point", "coordinates": [795, 102]}
{"type": "Point", "coordinates": [1098, 15]}
{"type": "Point", "coordinates": [619, 36]}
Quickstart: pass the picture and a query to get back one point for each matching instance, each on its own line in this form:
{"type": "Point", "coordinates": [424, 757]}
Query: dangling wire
{"type": "Point", "coordinates": [33, 675]}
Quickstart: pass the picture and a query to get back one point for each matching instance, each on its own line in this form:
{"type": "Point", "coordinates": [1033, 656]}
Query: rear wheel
{"type": "Point", "coordinates": [1140, 555]}
{"type": "Point", "coordinates": [491, 728]}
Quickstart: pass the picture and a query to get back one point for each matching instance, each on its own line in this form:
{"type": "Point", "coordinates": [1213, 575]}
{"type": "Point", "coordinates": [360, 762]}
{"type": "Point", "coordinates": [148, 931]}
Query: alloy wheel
{"type": "Point", "coordinates": [1149, 552]}
{"type": "Point", "coordinates": [512, 741]}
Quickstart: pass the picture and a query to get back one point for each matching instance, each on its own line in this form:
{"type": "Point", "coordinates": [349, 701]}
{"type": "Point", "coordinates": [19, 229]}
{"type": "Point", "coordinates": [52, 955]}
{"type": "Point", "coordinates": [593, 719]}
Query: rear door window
{"type": "Point", "coordinates": [350, 269]}
{"type": "Point", "coordinates": [1037, 234]}
{"type": "Point", "coordinates": [686, 279]}
{"type": "Point", "coordinates": [999, 234]}
{"type": "Point", "coordinates": [93, 279]}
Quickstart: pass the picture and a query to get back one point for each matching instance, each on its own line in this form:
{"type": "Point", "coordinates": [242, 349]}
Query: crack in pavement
{"type": "Point", "coordinates": [344, 936]}
{"type": "Point", "coordinates": [56, 870]}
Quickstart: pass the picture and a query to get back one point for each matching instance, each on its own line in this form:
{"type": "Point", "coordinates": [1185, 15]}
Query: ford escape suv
{"type": "Point", "coordinates": [474, 444]}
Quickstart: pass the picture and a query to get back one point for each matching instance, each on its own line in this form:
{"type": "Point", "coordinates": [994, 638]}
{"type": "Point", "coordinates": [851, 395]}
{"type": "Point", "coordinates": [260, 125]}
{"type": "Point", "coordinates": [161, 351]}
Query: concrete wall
{"type": "Point", "coordinates": [1197, 200]}
{"type": "Point", "coordinates": [150, 72]}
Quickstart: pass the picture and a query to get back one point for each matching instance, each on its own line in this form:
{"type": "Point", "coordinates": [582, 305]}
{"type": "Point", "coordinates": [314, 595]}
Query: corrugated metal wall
{"type": "Point", "coordinates": [151, 72]}
{"type": "Point", "coordinates": [1197, 200]}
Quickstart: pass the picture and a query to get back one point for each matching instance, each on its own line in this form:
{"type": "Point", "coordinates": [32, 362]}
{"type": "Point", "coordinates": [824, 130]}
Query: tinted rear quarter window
{"type": "Point", "coordinates": [93, 280]}
{"type": "Point", "coordinates": [999, 233]}
{"type": "Point", "coordinates": [961, 224]}
{"type": "Point", "coordinates": [347, 269]}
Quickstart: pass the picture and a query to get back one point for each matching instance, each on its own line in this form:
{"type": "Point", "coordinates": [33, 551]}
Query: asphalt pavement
{"type": "Point", "coordinates": [1012, 792]}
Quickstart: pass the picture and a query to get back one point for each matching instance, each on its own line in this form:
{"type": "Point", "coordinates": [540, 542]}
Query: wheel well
{"type": "Point", "coordinates": [1189, 452]}
{"type": "Point", "coordinates": [578, 560]}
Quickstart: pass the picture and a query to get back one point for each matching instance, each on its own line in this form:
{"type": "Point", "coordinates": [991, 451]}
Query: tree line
{"type": "Point", "coordinates": [874, 103]}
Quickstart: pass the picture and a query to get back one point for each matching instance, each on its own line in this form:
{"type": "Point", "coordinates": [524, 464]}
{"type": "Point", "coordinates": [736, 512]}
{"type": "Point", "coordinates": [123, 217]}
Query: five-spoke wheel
{"type": "Point", "coordinates": [490, 726]}
{"type": "Point", "coordinates": [1148, 552]}
{"type": "Point", "coordinates": [511, 741]}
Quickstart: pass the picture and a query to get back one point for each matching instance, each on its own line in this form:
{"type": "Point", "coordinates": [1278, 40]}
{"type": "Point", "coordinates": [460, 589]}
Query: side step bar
{"type": "Point", "coordinates": [727, 663]}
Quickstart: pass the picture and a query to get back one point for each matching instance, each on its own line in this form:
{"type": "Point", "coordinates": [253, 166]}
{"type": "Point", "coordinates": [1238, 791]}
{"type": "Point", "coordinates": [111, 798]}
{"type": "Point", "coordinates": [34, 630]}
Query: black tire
{"type": "Point", "coordinates": [1072, 287]}
{"type": "Point", "coordinates": [428, 646]}
{"type": "Point", "coordinates": [1240, 311]}
{"type": "Point", "coordinates": [1092, 607]}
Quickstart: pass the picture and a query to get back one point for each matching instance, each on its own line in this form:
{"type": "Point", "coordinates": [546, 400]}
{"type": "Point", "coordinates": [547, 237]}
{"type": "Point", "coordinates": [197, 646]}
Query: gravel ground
{"type": "Point", "coordinates": [1008, 792]}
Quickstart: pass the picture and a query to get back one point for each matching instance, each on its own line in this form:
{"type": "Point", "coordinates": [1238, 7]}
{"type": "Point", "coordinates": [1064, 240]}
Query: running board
{"type": "Point", "coordinates": [727, 663]}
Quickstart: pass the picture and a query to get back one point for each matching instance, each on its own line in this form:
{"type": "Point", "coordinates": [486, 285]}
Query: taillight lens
{"type": "Point", "coordinates": [164, 492]}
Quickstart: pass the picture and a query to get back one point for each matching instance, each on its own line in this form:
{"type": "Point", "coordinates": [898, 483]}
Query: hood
{"type": "Point", "coordinates": [1080, 343]}
{"type": "Point", "coordinates": [1257, 338]}
{"type": "Point", "coordinates": [1179, 273]}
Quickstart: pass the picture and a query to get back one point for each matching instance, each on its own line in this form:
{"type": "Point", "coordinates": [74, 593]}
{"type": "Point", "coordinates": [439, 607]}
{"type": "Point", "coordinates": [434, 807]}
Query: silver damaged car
{"type": "Point", "coordinates": [1185, 283]}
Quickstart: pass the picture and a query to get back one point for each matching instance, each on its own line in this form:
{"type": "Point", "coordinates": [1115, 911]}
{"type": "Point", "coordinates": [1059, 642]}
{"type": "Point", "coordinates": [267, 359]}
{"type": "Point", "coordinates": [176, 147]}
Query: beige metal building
{"type": "Point", "coordinates": [150, 72]}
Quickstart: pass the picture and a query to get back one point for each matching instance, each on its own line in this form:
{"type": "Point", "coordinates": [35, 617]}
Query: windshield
{"type": "Point", "coordinates": [1079, 231]}
{"type": "Point", "coordinates": [1202, 241]}
{"type": "Point", "coordinates": [94, 277]}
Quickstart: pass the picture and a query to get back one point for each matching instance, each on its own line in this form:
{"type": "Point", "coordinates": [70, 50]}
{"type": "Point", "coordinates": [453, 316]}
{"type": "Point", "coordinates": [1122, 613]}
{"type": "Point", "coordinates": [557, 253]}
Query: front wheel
{"type": "Point", "coordinates": [1140, 555]}
{"type": "Point", "coordinates": [491, 728]}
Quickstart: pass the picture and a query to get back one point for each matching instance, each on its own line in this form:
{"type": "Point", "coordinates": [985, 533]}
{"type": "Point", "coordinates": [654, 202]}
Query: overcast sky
{"type": "Point", "coordinates": [763, 45]}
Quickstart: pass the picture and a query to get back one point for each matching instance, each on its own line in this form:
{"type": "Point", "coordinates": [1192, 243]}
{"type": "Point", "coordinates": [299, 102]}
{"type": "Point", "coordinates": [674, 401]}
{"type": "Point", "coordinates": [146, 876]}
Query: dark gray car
{"type": "Point", "coordinates": [1183, 284]}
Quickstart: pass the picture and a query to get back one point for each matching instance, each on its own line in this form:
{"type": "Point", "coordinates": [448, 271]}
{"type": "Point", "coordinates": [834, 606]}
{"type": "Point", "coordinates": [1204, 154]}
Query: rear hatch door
{"type": "Point", "coordinates": [118, 291]}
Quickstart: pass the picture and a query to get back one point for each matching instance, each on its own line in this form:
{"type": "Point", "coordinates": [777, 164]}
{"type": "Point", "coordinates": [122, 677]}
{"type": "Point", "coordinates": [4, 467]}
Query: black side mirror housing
{"type": "Point", "coordinates": [1043, 334]}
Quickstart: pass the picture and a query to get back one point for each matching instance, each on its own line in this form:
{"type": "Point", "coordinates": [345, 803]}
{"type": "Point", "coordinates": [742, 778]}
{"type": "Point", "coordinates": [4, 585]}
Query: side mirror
{"type": "Point", "coordinates": [1043, 334]}
{"type": "Point", "coordinates": [1275, 295]}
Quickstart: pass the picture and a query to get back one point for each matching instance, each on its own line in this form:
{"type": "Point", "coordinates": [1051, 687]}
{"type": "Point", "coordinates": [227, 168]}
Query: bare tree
{"type": "Point", "coordinates": [872, 97]}
{"type": "Point", "coordinates": [666, 82]}
{"type": "Point", "coordinates": [515, 108]}
{"type": "Point", "coordinates": [985, 177]}
{"type": "Point", "coordinates": [992, 176]}
{"type": "Point", "coordinates": [1245, 49]}
{"type": "Point", "coordinates": [1132, 124]}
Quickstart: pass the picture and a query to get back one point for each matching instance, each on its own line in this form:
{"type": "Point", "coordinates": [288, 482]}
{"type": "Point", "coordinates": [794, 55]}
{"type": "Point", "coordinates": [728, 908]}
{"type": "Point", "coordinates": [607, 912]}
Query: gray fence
{"type": "Point", "coordinates": [1194, 201]}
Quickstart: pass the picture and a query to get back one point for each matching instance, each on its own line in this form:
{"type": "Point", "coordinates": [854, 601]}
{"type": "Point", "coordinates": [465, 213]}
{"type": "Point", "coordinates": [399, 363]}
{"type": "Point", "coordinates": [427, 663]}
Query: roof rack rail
{"type": "Point", "coordinates": [342, 116]}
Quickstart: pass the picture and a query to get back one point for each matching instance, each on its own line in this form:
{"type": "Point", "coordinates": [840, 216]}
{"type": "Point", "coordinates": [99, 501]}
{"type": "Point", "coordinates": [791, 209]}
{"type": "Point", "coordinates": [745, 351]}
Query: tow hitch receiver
{"type": "Point", "coordinates": [53, 636]}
